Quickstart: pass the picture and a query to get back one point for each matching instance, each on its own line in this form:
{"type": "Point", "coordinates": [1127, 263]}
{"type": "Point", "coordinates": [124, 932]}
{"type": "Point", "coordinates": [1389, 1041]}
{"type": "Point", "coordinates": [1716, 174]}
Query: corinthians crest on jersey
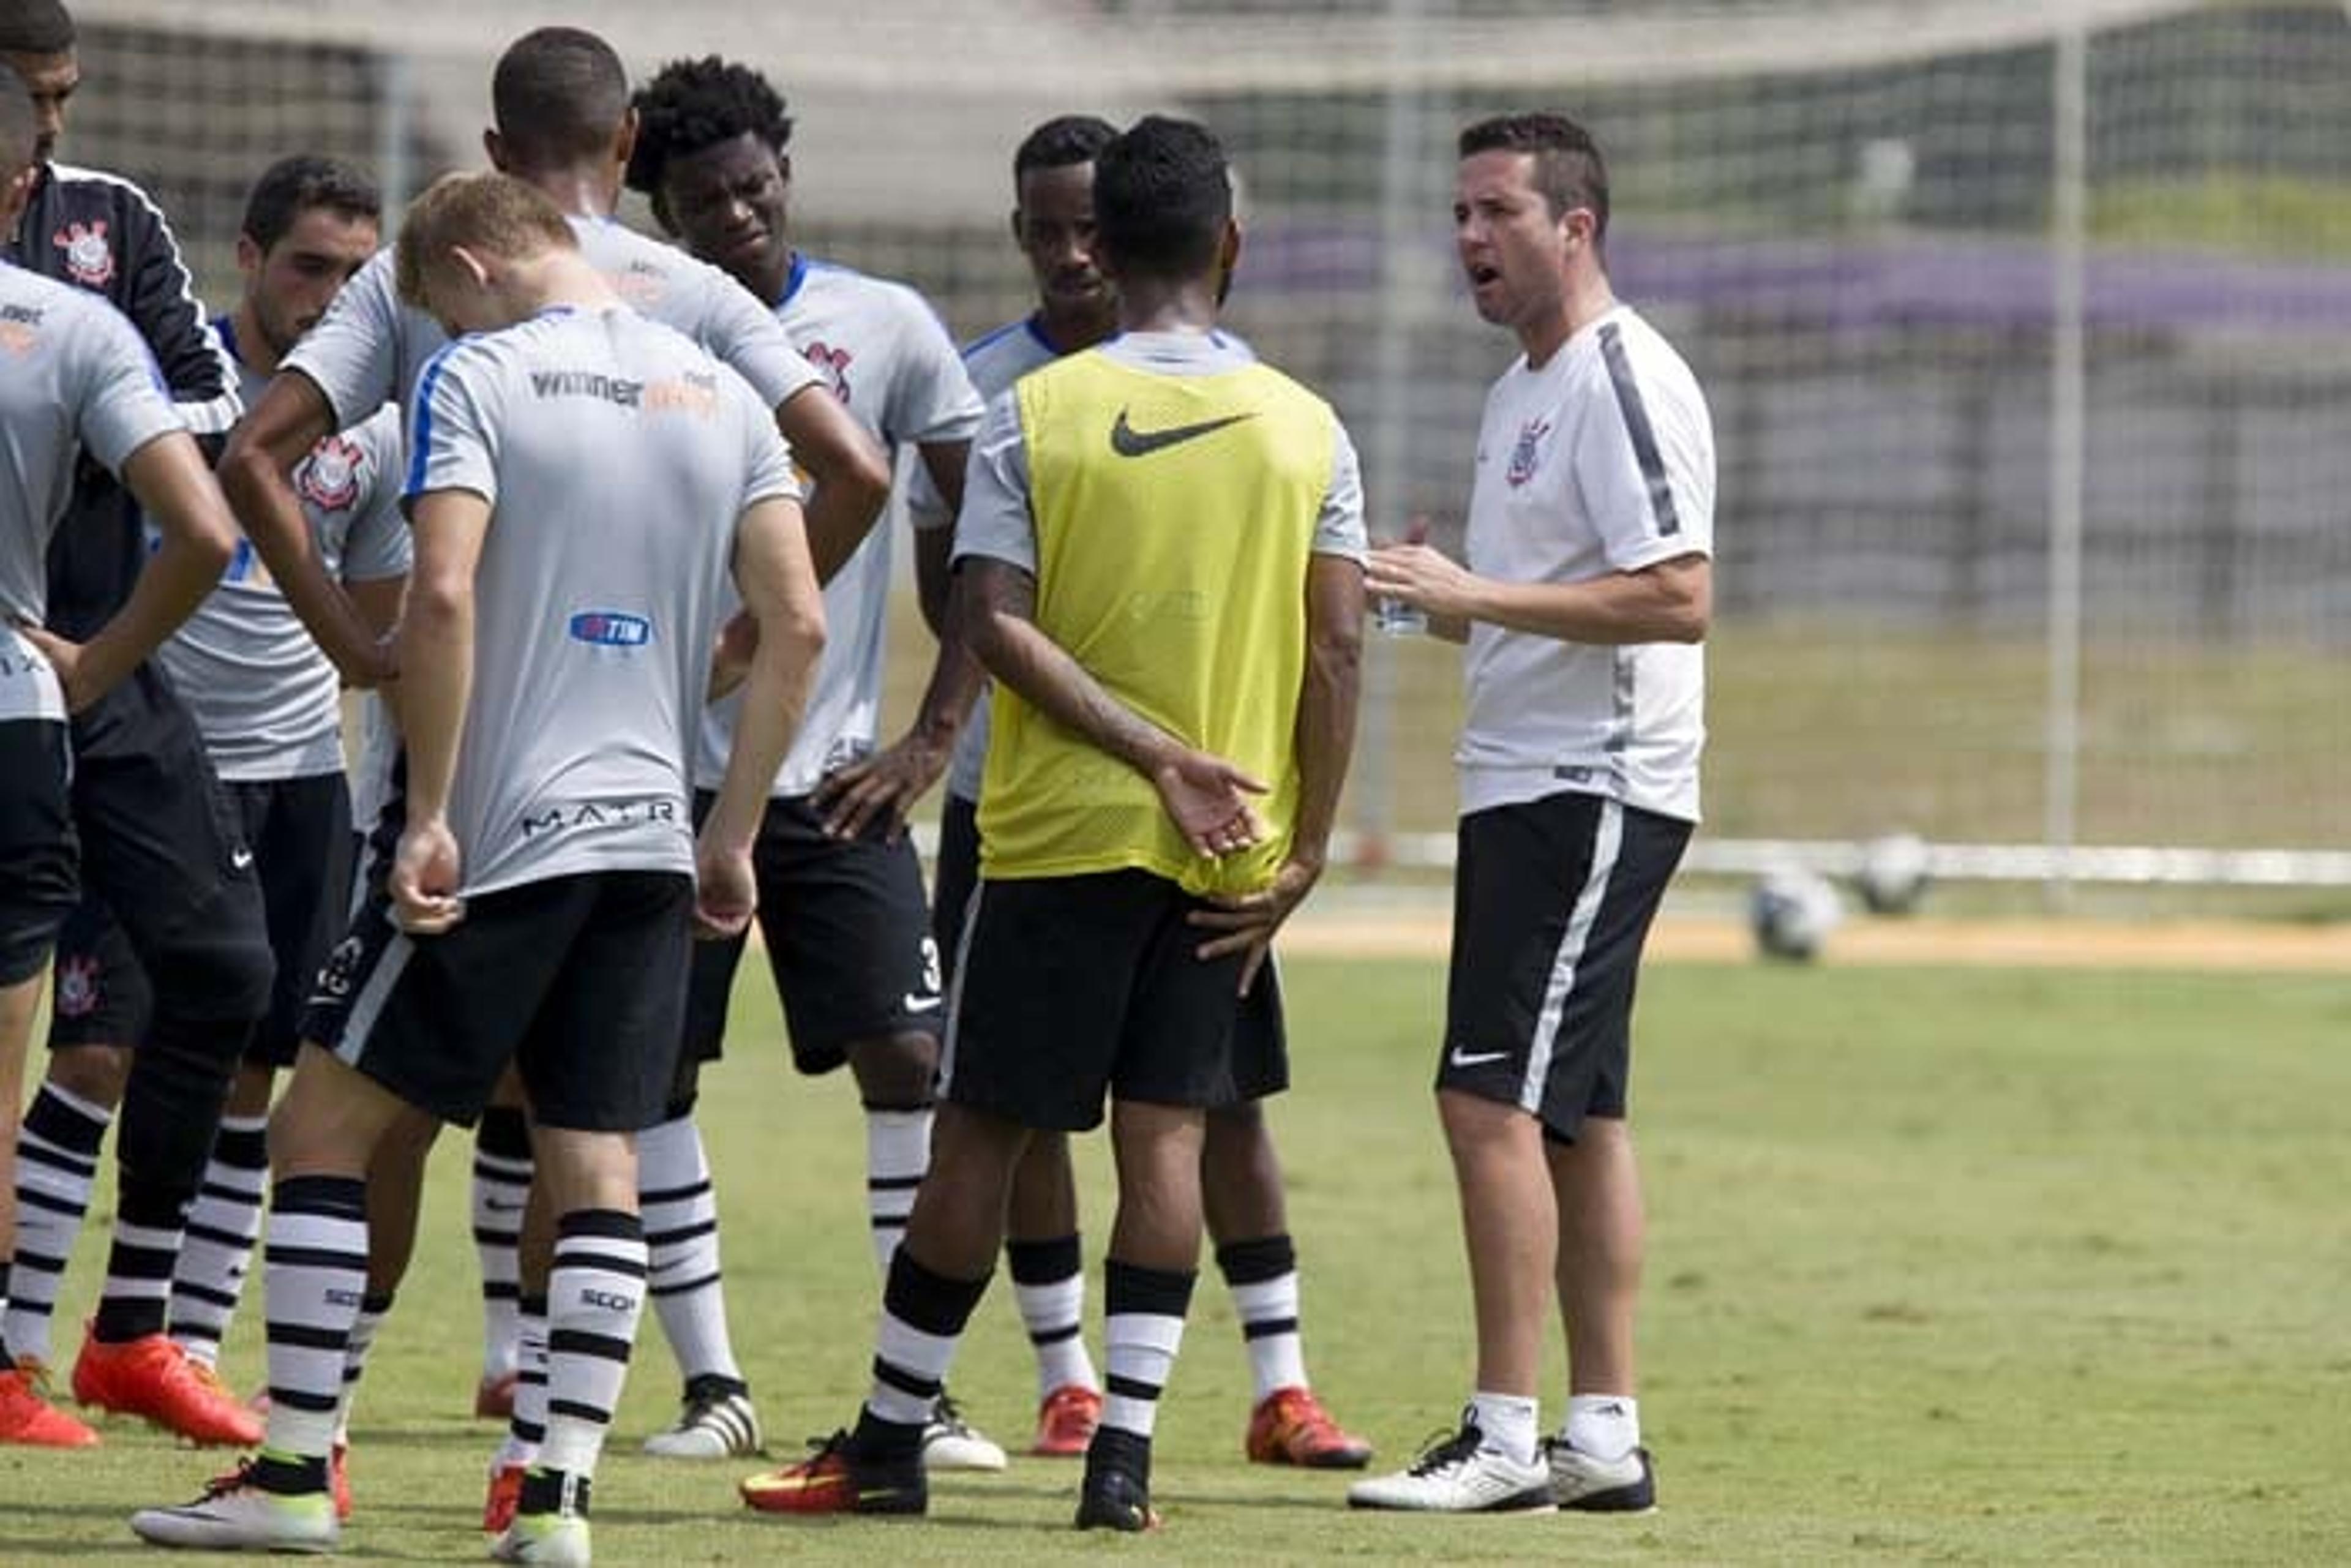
{"type": "Point", "coordinates": [88, 256]}
{"type": "Point", "coordinates": [329, 479]}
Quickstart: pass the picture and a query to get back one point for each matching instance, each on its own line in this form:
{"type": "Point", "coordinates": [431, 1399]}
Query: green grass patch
{"type": "Point", "coordinates": [1971, 1266]}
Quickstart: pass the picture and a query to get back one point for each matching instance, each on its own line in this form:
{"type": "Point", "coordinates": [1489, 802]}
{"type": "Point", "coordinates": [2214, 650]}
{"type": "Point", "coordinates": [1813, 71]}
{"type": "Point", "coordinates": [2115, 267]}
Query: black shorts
{"type": "Point", "coordinates": [578, 980]}
{"type": "Point", "coordinates": [848, 939]}
{"type": "Point", "coordinates": [37, 844]}
{"type": "Point", "coordinates": [163, 849]}
{"type": "Point", "coordinates": [1076, 986]}
{"type": "Point", "coordinates": [1551, 903]}
{"type": "Point", "coordinates": [954, 877]}
{"type": "Point", "coordinates": [300, 834]}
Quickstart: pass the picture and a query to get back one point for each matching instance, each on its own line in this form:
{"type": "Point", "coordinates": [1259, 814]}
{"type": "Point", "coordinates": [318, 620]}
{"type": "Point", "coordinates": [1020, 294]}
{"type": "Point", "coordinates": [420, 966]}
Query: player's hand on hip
{"type": "Point", "coordinates": [64, 658]}
{"type": "Point", "coordinates": [725, 893]}
{"type": "Point", "coordinates": [1247, 921]}
{"type": "Point", "coordinates": [1416, 575]}
{"type": "Point", "coordinates": [425, 874]}
{"type": "Point", "coordinates": [880, 789]}
{"type": "Point", "coordinates": [1207, 800]}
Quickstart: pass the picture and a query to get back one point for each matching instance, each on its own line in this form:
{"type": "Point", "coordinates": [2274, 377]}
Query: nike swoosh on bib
{"type": "Point", "coordinates": [1129, 442]}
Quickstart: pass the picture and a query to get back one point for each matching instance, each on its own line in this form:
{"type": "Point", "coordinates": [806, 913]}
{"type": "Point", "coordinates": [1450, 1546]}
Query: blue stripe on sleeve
{"type": "Point", "coordinates": [420, 422]}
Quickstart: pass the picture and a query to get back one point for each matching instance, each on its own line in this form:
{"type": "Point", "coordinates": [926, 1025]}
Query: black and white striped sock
{"type": "Point", "coordinates": [57, 1166]}
{"type": "Point", "coordinates": [1142, 1328]}
{"type": "Point", "coordinates": [923, 1319]}
{"type": "Point", "coordinates": [1262, 1275]}
{"type": "Point", "coordinates": [527, 1427]}
{"type": "Point", "coordinates": [314, 1279]}
{"type": "Point", "coordinates": [374, 1308]}
{"type": "Point", "coordinates": [897, 1156]}
{"type": "Point", "coordinates": [501, 1190]}
{"type": "Point", "coordinates": [595, 1294]}
{"type": "Point", "coordinates": [1048, 1281]}
{"type": "Point", "coordinates": [223, 1224]}
{"type": "Point", "coordinates": [681, 1218]}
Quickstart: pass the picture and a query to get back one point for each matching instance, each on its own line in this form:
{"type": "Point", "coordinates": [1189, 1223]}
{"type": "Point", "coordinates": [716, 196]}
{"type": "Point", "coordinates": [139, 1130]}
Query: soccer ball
{"type": "Point", "coordinates": [1892, 876]}
{"type": "Point", "coordinates": [1792, 913]}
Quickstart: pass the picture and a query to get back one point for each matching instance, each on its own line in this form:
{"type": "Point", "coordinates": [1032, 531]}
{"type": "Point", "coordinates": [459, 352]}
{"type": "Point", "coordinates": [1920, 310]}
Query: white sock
{"type": "Point", "coordinates": [897, 1156]}
{"type": "Point", "coordinates": [681, 1216]}
{"type": "Point", "coordinates": [1507, 1423]}
{"type": "Point", "coordinates": [1049, 1281]}
{"type": "Point", "coordinates": [1605, 1425]}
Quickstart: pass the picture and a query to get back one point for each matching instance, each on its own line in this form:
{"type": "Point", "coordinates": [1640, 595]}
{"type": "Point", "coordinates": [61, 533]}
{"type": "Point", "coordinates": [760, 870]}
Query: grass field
{"type": "Point", "coordinates": [1973, 1265]}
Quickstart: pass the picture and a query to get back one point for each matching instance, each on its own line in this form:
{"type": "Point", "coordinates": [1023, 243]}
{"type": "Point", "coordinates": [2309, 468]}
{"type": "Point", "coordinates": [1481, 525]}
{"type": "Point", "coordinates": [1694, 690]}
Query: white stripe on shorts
{"type": "Point", "coordinates": [1607, 838]}
{"type": "Point", "coordinates": [368, 1006]}
{"type": "Point", "coordinates": [954, 991]}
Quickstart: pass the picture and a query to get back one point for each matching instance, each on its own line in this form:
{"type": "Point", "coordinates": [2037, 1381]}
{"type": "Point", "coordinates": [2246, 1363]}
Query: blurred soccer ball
{"type": "Point", "coordinates": [1892, 876]}
{"type": "Point", "coordinates": [1792, 913]}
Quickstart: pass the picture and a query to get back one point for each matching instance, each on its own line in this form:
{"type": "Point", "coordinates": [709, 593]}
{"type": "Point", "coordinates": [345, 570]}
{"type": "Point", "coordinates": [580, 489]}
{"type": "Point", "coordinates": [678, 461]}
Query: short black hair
{"type": "Point", "coordinates": [34, 27]}
{"type": "Point", "coordinates": [692, 106]}
{"type": "Point", "coordinates": [1163, 196]}
{"type": "Point", "coordinates": [292, 186]}
{"type": "Point", "coordinates": [1062, 142]}
{"type": "Point", "coordinates": [559, 95]}
{"type": "Point", "coordinates": [20, 126]}
{"type": "Point", "coordinates": [1568, 170]}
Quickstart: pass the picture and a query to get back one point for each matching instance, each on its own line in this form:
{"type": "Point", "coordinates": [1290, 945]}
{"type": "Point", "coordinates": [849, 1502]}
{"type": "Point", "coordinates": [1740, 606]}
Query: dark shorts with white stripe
{"type": "Point", "coordinates": [578, 980]}
{"type": "Point", "coordinates": [848, 937]}
{"type": "Point", "coordinates": [1551, 903]}
{"type": "Point", "coordinates": [1071, 988]}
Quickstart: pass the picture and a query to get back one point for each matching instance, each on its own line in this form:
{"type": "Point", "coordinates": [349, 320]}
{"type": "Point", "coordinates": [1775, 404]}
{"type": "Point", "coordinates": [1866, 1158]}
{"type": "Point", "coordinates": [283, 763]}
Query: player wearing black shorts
{"type": "Point", "coordinates": [80, 383]}
{"type": "Point", "coordinates": [1586, 592]}
{"type": "Point", "coordinates": [161, 848]}
{"type": "Point", "coordinates": [1160, 525]}
{"type": "Point", "coordinates": [1242, 1190]}
{"type": "Point", "coordinates": [584, 485]}
{"type": "Point", "coordinates": [268, 706]}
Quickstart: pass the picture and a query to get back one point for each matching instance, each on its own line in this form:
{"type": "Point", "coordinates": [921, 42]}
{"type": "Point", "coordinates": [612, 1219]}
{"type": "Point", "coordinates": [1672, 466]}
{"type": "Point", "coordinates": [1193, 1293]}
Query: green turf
{"type": "Point", "coordinates": [1944, 1265]}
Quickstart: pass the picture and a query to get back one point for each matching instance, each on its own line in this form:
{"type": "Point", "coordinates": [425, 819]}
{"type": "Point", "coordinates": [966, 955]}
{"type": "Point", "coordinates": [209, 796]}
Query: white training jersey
{"type": "Point", "coordinates": [892, 365]}
{"type": "Point", "coordinates": [264, 696]}
{"type": "Point", "coordinates": [74, 378]}
{"type": "Point", "coordinates": [617, 458]}
{"type": "Point", "coordinates": [994, 362]}
{"type": "Point", "coordinates": [370, 349]}
{"type": "Point", "coordinates": [1599, 461]}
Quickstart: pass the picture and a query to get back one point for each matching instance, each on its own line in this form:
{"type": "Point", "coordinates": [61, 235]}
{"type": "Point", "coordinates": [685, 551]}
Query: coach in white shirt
{"type": "Point", "coordinates": [1586, 593]}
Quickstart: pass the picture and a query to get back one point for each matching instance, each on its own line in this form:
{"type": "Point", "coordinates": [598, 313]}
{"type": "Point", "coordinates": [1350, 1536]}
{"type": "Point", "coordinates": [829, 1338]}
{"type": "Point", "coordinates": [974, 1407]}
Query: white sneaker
{"type": "Point", "coordinates": [952, 1443]}
{"type": "Point", "coordinates": [559, 1539]}
{"type": "Point", "coordinates": [234, 1515]}
{"type": "Point", "coordinates": [1461, 1475]}
{"type": "Point", "coordinates": [1579, 1481]}
{"type": "Point", "coordinates": [717, 1423]}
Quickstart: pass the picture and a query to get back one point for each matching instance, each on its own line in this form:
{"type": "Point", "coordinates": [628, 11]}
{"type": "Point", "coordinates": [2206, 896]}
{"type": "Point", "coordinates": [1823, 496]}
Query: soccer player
{"type": "Point", "coordinates": [1160, 551]}
{"type": "Point", "coordinates": [161, 849]}
{"type": "Point", "coordinates": [79, 381]}
{"type": "Point", "coordinates": [1053, 225]}
{"type": "Point", "coordinates": [1585, 596]}
{"type": "Point", "coordinates": [847, 929]}
{"type": "Point", "coordinates": [583, 484]}
{"type": "Point", "coordinates": [564, 124]}
{"type": "Point", "coordinates": [268, 706]}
